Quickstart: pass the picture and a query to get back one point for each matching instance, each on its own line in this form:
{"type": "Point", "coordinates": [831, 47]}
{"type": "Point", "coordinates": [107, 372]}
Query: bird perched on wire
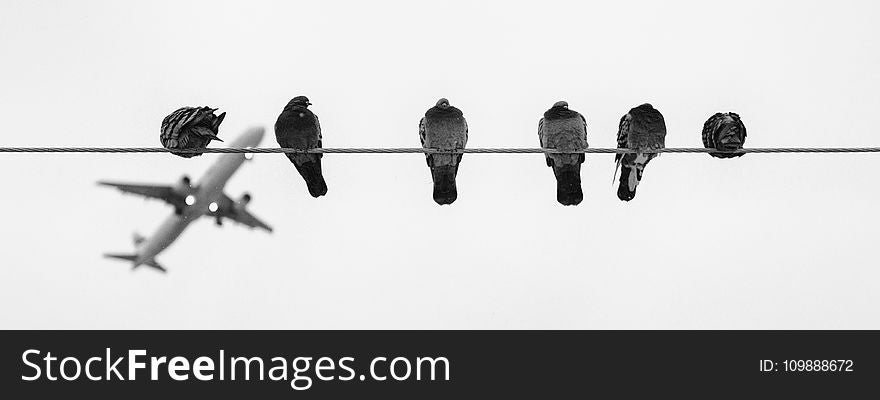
{"type": "Point", "coordinates": [725, 132]}
{"type": "Point", "coordinates": [190, 128]}
{"type": "Point", "coordinates": [564, 129]}
{"type": "Point", "coordinates": [298, 127]}
{"type": "Point", "coordinates": [444, 128]}
{"type": "Point", "coordinates": [642, 129]}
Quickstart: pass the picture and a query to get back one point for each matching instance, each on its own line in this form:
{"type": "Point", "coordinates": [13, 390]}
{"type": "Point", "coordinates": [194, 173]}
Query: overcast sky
{"type": "Point", "coordinates": [763, 241]}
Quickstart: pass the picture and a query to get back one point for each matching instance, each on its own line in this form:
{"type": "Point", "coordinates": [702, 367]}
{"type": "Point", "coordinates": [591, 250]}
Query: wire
{"type": "Point", "coordinates": [228, 150]}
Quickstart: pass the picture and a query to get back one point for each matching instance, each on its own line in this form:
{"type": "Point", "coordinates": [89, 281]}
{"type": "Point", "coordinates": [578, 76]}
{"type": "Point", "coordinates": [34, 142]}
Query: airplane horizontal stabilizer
{"type": "Point", "coordinates": [126, 257]}
{"type": "Point", "coordinates": [133, 258]}
{"type": "Point", "coordinates": [137, 239]}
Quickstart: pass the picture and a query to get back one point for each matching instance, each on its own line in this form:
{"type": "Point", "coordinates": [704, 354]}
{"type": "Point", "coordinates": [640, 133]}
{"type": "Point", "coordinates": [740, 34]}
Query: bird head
{"type": "Point", "coordinates": [442, 103]}
{"type": "Point", "coordinates": [562, 103]}
{"type": "Point", "coordinates": [301, 101]}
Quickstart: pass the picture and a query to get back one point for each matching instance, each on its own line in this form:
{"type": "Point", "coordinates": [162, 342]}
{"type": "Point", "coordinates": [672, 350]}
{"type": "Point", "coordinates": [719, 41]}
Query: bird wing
{"type": "Point", "coordinates": [622, 134]}
{"type": "Point", "coordinates": [320, 143]}
{"type": "Point", "coordinates": [179, 119]}
{"type": "Point", "coordinates": [742, 126]}
{"type": "Point", "coordinates": [543, 143]}
{"type": "Point", "coordinates": [709, 130]}
{"type": "Point", "coordinates": [422, 131]}
{"type": "Point", "coordinates": [622, 139]}
{"type": "Point", "coordinates": [541, 132]}
{"type": "Point", "coordinates": [171, 123]}
{"type": "Point", "coordinates": [463, 143]}
{"type": "Point", "coordinates": [584, 120]}
{"type": "Point", "coordinates": [318, 125]}
{"type": "Point", "coordinates": [464, 121]}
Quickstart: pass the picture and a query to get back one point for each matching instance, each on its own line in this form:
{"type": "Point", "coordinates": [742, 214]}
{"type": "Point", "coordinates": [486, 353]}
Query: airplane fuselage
{"type": "Point", "coordinates": [208, 190]}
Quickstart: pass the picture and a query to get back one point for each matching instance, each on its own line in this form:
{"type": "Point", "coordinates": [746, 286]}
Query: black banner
{"type": "Point", "coordinates": [410, 364]}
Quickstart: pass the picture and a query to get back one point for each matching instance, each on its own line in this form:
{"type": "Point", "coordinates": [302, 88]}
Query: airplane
{"type": "Point", "coordinates": [190, 202]}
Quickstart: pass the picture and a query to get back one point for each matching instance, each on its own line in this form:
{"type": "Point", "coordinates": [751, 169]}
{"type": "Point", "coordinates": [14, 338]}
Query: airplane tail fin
{"type": "Point", "coordinates": [137, 239]}
{"type": "Point", "coordinates": [133, 258]}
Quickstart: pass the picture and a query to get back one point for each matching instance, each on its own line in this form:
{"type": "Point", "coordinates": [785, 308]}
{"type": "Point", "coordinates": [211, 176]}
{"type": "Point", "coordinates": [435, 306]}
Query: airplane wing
{"type": "Point", "coordinates": [160, 192]}
{"type": "Point", "coordinates": [230, 209]}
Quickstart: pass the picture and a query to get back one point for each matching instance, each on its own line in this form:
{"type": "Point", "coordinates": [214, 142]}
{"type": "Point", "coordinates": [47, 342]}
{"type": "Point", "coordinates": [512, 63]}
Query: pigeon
{"type": "Point", "coordinates": [190, 128]}
{"type": "Point", "coordinates": [724, 132]}
{"type": "Point", "coordinates": [298, 127]}
{"type": "Point", "coordinates": [643, 128]}
{"type": "Point", "coordinates": [564, 129]}
{"type": "Point", "coordinates": [443, 127]}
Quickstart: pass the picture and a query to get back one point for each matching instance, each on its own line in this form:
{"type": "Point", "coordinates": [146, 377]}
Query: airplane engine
{"type": "Point", "coordinates": [243, 201]}
{"type": "Point", "coordinates": [183, 187]}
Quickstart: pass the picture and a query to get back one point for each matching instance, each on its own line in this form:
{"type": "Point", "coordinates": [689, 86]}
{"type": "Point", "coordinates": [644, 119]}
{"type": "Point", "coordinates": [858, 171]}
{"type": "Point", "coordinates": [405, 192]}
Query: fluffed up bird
{"type": "Point", "coordinates": [642, 129]}
{"type": "Point", "coordinates": [564, 129]}
{"type": "Point", "coordinates": [725, 132]}
{"type": "Point", "coordinates": [298, 127]}
{"type": "Point", "coordinates": [190, 128]}
{"type": "Point", "coordinates": [444, 128]}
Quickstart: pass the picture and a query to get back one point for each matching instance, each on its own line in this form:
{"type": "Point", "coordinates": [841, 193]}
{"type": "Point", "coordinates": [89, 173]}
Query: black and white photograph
{"type": "Point", "coordinates": [373, 170]}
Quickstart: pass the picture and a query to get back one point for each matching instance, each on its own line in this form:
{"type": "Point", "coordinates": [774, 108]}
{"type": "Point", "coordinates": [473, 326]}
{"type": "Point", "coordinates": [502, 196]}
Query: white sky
{"type": "Point", "coordinates": [764, 241]}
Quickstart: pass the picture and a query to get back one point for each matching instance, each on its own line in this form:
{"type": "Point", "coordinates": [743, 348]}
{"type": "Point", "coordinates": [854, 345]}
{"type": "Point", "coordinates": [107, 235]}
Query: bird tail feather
{"type": "Point", "coordinates": [445, 191]}
{"type": "Point", "coordinates": [616, 168]}
{"type": "Point", "coordinates": [568, 186]}
{"type": "Point", "coordinates": [311, 173]}
{"type": "Point", "coordinates": [626, 190]}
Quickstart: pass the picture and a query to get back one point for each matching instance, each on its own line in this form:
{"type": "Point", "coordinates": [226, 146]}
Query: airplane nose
{"type": "Point", "coordinates": [255, 135]}
{"type": "Point", "coordinates": [250, 138]}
